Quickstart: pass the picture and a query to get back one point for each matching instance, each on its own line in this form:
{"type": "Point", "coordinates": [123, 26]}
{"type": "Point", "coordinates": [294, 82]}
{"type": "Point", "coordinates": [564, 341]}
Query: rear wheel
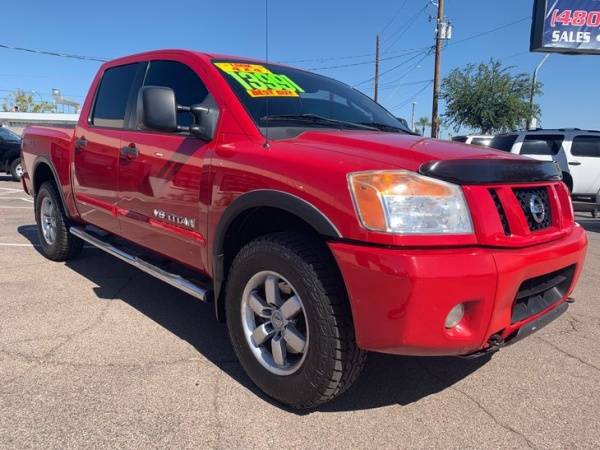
{"type": "Point", "coordinates": [289, 320]}
{"type": "Point", "coordinates": [56, 242]}
{"type": "Point", "coordinates": [16, 169]}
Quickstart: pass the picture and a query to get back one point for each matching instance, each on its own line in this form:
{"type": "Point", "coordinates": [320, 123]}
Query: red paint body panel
{"type": "Point", "coordinates": [401, 287]}
{"type": "Point", "coordinates": [400, 298]}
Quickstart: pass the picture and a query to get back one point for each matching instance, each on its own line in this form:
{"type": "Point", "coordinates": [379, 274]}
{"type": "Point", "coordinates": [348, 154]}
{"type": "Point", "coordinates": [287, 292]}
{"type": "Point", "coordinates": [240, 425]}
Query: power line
{"type": "Point", "coordinates": [405, 74]}
{"type": "Point", "coordinates": [409, 101]}
{"type": "Point", "coordinates": [484, 33]}
{"type": "Point", "coordinates": [405, 27]}
{"type": "Point", "coordinates": [396, 14]}
{"type": "Point", "coordinates": [323, 59]}
{"type": "Point", "coordinates": [385, 72]}
{"type": "Point", "coordinates": [362, 63]}
{"type": "Point", "coordinates": [48, 53]}
{"type": "Point", "coordinates": [410, 83]}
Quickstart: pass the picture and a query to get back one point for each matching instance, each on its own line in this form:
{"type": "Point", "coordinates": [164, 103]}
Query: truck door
{"type": "Point", "coordinates": [585, 164]}
{"type": "Point", "coordinates": [161, 175]}
{"type": "Point", "coordinates": [97, 144]}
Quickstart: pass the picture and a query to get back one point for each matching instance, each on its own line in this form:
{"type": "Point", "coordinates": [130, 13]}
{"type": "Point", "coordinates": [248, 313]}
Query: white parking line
{"type": "Point", "coordinates": [15, 207]}
{"type": "Point", "coordinates": [17, 244]}
{"type": "Point", "coordinates": [12, 190]}
{"type": "Point", "coordinates": [28, 200]}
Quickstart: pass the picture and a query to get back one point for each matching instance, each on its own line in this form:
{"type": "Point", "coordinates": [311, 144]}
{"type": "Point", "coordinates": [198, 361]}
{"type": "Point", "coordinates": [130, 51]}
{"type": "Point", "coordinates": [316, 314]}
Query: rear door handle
{"type": "Point", "coordinates": [80, 143]}
{"type": "Point", "coordinates": [130, 152]}
{"type": "Point", "coordinates": [574, 163]}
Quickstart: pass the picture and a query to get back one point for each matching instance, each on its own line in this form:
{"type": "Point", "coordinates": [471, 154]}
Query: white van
{"type": "Point", "coordinates": [577, 152]}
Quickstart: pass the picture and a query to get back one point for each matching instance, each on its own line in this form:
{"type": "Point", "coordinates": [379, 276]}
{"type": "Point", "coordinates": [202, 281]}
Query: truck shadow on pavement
{"type": "Point", "coordinates": [386, 380]}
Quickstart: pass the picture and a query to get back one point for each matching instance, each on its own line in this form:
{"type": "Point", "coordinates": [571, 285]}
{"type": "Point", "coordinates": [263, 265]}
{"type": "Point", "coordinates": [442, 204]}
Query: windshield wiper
{"type": "Point", "coordinates": [316, 119]}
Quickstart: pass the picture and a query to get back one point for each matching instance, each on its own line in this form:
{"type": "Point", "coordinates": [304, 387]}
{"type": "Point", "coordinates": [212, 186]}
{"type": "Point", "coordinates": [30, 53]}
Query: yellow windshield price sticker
{"type": "Point", "coordinates": [258, 81]}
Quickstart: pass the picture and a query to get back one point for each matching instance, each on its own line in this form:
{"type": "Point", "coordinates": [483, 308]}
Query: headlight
{"type": "Point", "coordinates": [405, 202]}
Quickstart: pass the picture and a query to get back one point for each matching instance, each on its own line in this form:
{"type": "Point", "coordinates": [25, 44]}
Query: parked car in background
{"type": "Point", "coordinates": [10, 156]}
{"type": "Point", "coordinates": [576, 151]}
{"type": "Point", "coordinates": [474, 139]}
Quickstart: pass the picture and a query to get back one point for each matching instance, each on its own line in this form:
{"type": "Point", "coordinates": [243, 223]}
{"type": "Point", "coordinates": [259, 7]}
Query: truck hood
{"type": "Point", "coordinates": [394, 150]}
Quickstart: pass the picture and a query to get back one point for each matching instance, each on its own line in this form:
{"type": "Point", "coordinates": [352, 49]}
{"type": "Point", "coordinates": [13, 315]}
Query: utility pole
{"type": "Point", "coordinates": [531, 120]}
{"type": "Point", "coordinates": [376, 94]}
{"type": "Point", "coordinates": [441, 26]}
{"type": "Point", "coordinates": [412, 120]}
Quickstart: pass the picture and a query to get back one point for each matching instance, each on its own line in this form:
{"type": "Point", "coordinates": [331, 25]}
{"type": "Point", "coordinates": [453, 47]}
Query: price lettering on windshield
{"type": "Point", "coordinates": [258, 81]}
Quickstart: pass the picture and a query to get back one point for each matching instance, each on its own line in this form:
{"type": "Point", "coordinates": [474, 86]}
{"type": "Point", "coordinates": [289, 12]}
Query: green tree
{"type": "Point", "coordinates": [23, 101]}
{"type": "Point", "coordinates": [421, 124]}
{"type": "Point", "coordinates": [488, 98]}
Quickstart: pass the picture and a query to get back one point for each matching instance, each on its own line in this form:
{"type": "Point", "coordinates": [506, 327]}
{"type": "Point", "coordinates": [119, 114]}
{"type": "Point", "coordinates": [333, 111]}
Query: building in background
{"type": "Point", "coordinates": [18, 121]}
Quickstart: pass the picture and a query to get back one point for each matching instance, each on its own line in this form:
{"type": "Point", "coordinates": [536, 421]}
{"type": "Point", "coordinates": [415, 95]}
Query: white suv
{"type": "Point", "coordinates": [577, 152]}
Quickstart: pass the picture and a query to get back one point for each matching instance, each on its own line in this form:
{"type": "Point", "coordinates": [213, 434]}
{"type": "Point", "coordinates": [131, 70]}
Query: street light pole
{"type": "Point", "coordinates": [412, 120]}
{"type": "Point", "coordinates": [531, 119]}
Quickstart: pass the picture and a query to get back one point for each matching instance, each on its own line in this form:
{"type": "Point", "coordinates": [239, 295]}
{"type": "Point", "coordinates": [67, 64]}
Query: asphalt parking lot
{"type": "Point", "coordinates": [95, 353]}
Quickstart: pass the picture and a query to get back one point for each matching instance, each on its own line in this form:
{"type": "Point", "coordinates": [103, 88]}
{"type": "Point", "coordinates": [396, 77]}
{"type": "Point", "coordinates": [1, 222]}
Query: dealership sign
{"type": "Point", "coordinates": [566, 26]}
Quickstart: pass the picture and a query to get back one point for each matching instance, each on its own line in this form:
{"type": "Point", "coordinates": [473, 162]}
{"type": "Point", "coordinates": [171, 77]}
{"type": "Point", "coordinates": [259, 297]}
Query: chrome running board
{"type": "Point", "coordinates": [170, 278]}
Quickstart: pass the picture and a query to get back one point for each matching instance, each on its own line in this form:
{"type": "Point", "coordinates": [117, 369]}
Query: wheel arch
{"type": "Point", "coordinates": [43, 170]}
{"type": "Point", "coordinates": [257, 213]}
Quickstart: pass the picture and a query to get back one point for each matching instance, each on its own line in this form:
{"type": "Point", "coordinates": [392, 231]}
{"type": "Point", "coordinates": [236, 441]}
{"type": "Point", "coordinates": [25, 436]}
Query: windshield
{"type": "Point", "coordinates": [282, 97]}
{"type": "Point", "coordinates": [8, 135]}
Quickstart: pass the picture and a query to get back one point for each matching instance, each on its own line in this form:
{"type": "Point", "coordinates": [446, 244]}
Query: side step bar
{"type": "Point", "coordinates": [170, 278]}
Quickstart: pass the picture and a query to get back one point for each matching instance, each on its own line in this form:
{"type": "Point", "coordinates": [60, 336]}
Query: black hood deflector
{"type": "Point", "coordinates": [487, 171]}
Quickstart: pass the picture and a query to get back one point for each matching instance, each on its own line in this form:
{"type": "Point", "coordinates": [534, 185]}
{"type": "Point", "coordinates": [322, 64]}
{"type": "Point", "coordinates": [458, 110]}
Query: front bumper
{"type": "Point", "coordinates": [400, 297]}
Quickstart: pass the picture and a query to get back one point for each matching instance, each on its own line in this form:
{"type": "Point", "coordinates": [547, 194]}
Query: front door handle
{"type": "Point", "coordinates": [574, 163]}
{"type": "Point", "coordinates": [130, 152]}
{"type": "Point", "coordinates": [80, 143]}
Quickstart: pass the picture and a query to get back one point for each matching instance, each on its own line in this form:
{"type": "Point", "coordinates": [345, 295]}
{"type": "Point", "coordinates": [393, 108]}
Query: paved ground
{"type": "Point", "coordinates": [95, 353]}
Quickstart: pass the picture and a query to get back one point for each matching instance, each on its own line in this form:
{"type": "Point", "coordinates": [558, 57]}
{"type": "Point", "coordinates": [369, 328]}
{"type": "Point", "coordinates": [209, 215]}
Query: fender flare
{"type": "Point", "coordinates": [43, 160]}
{"type": "Point", "coordinates": [264, 198]}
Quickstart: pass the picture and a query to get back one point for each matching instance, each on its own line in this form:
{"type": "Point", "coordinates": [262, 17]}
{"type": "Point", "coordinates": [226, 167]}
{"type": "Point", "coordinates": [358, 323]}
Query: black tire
{"type": "Point", "coordinates": [333, 361]}
{"type": "Point", "coordinates": [65, 246]}
{"type": "Point", "coordinates": [13, 169]}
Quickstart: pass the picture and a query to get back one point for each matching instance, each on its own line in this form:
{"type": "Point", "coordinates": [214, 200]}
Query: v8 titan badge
{"type": "Point", "coordinates": [260, 81]}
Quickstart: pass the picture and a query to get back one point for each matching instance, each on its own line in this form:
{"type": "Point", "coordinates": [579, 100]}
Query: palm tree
{"type": "Point", "coordinates": [423, 123]}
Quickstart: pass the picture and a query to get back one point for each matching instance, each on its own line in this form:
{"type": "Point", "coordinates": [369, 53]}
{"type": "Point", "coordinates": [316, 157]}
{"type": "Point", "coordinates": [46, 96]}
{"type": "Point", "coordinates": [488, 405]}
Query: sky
{"type": "Point", "coordinates": [318, 35]}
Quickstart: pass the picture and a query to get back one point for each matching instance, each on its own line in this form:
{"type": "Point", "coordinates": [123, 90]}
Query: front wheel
{"type": "Point", "coordinates": [56, 242]}
{"type": "Point", "coordinates": [289, 320]}
{"type": "Point", "coordinates": [16, 169]}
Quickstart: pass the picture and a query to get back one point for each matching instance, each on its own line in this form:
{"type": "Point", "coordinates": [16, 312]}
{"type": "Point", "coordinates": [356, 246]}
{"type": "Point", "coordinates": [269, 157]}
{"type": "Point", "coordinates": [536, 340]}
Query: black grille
{"type": "Point", "coordinates": [501, 213]}
{"type": "Point", "coordinates": [539, 218]}
{"type": "Point", "coordinates": [536, 294]}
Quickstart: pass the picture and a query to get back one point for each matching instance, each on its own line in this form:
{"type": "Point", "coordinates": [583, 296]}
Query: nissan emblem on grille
{"type": "Point", "coordinates": [535, 205]}
{"type": "Point", "coordinates": [537, 208]}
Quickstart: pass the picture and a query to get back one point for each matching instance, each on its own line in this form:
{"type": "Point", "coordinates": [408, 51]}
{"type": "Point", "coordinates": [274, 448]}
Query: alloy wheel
{"type": "Point", "coordinates": [275, 323]}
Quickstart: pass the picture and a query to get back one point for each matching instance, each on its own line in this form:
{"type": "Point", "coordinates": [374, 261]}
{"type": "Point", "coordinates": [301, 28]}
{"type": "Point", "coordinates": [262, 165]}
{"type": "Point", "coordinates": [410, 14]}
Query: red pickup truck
{"type": "Point", "coordinates": [317, 224]}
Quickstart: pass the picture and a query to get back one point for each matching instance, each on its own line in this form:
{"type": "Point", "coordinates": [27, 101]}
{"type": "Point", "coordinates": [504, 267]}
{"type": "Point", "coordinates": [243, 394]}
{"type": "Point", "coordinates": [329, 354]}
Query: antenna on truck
{"type": "Point", "coordinates": [266, 145]}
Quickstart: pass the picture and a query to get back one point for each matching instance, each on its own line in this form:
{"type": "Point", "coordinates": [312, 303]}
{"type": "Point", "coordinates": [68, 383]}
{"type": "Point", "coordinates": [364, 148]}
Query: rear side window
{"type": "Point", "coordinates": [113, 95]}
{"type": "Point", "coordinates": [189, 89]}
{"type": "Point", "coordinates": [586, 146]}
{"type": "Point", "coordinates": [484, 142]}
{"type": "Point", "coordinates": [504, 142]}
{"type": "Point", "coordinates": [538, 144]}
